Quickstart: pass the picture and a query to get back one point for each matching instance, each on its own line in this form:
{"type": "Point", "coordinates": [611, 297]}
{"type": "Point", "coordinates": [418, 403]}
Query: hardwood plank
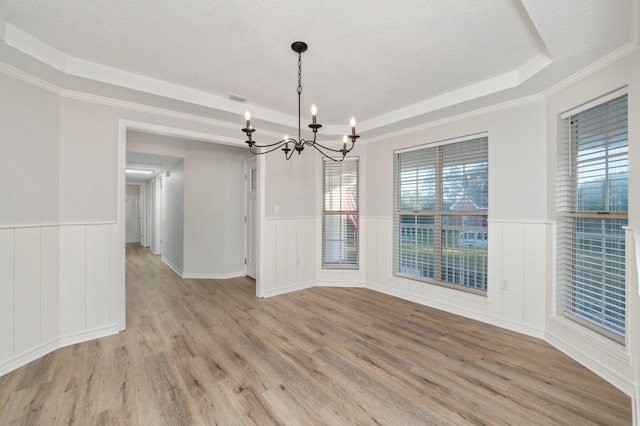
{"type": "Point", "coordinates": [210, 352]}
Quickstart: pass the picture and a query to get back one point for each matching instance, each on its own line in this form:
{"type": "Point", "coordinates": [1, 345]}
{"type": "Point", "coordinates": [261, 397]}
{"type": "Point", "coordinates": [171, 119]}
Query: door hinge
{"type": "Point", "coordinates": [245, 260]}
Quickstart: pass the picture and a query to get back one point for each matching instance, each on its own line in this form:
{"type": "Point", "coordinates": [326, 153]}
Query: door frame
{"type": "Point", "coordinates": [119, 270]}
{"type": "Point", "coordinates": [247, 217]}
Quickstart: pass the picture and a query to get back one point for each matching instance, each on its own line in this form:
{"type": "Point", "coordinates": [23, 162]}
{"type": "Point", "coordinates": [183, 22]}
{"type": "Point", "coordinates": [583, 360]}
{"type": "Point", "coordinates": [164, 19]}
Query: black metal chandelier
{"type": "Point", "coordinates": [299, 144]}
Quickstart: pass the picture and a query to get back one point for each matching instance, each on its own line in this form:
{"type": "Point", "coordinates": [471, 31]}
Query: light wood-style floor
{"type": "Point", "coordinates": [204, 352]}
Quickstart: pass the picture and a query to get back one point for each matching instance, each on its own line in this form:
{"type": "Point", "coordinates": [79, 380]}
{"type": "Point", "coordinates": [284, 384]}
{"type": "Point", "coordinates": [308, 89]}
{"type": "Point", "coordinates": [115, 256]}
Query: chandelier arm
{"type": "Point", "coordinates": [280, 143]}
{"type": "Point", "coordinates": [316, 144]}
{"type": "Point", "coordinates": [266, 146]}
{"type": "Point", "coordinates": [288, 154]}
{"type": "Point", "coordinates": [327, 156]}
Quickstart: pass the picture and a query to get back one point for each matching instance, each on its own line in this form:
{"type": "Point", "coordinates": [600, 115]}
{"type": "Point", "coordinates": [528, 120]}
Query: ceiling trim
{"type": "Point", "coordinates": [70, 65]}
{"type": "Point", "coordinates": [458, 117]}
{"type": "Point", "coordinates": [179, 132]}
{"type": "Point", "coordinates": [29, 79]}
{"type": "Point", "coordinates": [473, 91]}
{"type": "Point", "coordinates": [601, 63]}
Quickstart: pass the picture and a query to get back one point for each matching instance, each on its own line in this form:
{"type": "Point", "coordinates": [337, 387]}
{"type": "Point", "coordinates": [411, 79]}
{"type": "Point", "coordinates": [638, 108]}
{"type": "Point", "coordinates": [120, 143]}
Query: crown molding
{"type": "Point", "coordinates": [73, 66]}
{"type": "Point", "coordinates": [601, 63]}
{"type": "Point", "coordinates": [458, 117]}
{"type": "Point", "coordinates": [29, 79]}
{"type": "Point", "coordinates": [473, 91]}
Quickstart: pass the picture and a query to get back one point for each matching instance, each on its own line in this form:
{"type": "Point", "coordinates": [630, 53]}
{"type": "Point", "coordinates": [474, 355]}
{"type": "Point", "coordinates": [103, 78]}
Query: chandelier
{"type": "Point", "coordinates": [288, 144]}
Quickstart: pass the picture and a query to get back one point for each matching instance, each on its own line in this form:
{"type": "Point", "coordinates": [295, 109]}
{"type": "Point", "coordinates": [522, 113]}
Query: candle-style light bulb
{"type": "Point", "coordinates": [314, 112]}
{"type": "Point", "coordinates": [344, 144]}
{"type": "Point", "coordinates": [353, 125]}
{"type": "Point", "coordinates": [247, 117]}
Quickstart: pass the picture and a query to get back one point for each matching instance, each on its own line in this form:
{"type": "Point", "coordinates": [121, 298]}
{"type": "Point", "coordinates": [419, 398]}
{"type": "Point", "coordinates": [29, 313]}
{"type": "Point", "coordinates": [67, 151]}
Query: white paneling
{"type": "Point", "coordinates": [50, 283]}
{"type": "Point", "coordinates": [494, 292]}
{"type": "Point", "coordinates": [117, 300]}
{"type": "Point", "coordinates": [534, 274]}
{"type": "Point", "coordinates": [287, 240]}
{"type": "Point", "coordinates": [27, 289]}
{"type": "Point", "coordinates": [384, 249]}
{"type": "Point", "coordinates": [512, 269]}
{"type": "Point", "coordinates": [72, 279]}
{"type": "Point", "coordinates": [291, 250]}
{"type": "Point", "coordinates": [280, 253]}
{"type": "Point", "coordinates": [369, 238]}
{"type": "Point", "coordinates": [268, 281]}
{"type": "Point", "coordinates": [97, 276]}
{"type": "Point", "coordinates": [311, 250]}
{"type": "Point", "coordinates": [6, 292]}
{"type": "Point", "coordinates": [301, 251]}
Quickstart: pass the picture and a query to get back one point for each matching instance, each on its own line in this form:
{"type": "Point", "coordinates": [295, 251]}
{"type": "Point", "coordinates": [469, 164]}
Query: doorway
{"type": "Point", "coordinates": [133, 213]}
{"type": "Point", "coordinates": [251, 217]}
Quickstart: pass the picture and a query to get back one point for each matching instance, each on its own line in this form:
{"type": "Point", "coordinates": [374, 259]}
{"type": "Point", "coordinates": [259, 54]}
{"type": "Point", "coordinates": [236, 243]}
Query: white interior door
{"type": "Point", "coordinates": [251, 218]}
{"type": "Point", "coordinates": [133, 218]}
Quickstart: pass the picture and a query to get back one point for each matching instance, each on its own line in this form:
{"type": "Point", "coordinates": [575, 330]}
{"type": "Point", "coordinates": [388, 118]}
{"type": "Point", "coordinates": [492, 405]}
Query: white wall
{"type": "Point", "coordinates": [29, 128]}
{"type": "Point", "coordinates": [173, 217]}
{"type": "Point", "coordinates": [87, 150]}
{"type": "Point", "coordinates": [291, 186]}
{"type": "Point", "coordinates": [214, 210]}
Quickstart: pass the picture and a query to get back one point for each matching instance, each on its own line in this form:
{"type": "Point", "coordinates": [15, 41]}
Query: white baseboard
{"type": "Point", "coordinates": [199, 276]}
{"type": "Point", "coordinates": [26, 357]}
{"type": "Point", "coordinates": [343, 284]}
{"type": "Point", "coordinates": [288, 289]}
{"type": "Point", "coordinates": [478, 316]}
{"type": "Point", "coordinates": [172, 266]}
{"type": "Point", "coordinates": [86, 335]}
{"type": "Point", "coordinates": [625, 384]}
{"type": "Point", "coordinates": [43, 349]}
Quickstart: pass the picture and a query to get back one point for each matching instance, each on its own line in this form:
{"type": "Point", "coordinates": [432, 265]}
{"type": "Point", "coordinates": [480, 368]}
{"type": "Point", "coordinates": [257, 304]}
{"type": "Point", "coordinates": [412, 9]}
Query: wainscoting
{"type": "Point", "coordinates": [516, 253]}
{"type": "Point", "coordinates": [59, 285]}
{"type": "Point", "coordinates": [289, 257]}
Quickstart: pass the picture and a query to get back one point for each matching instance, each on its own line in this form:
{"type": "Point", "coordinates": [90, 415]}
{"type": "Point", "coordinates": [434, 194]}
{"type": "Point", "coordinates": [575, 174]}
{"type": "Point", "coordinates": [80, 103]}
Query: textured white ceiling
{"type": "Point", "coordinates": [379, 60]}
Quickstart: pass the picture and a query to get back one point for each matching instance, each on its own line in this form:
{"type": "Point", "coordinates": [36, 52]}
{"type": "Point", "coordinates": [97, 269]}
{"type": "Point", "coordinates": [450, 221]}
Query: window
{"type": "Point", "coordinates": [592, 201]}
{"type": "Point", "coordinates": [340, 218]}
{"type": "Point", "coordinates": [441, 210]}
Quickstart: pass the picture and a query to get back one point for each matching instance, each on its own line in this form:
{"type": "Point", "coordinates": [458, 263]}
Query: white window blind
{"type": "Point", "coordinates": [592, 203]}
{"type": "Point", "coordinates": [441, 208]}
{"type": "Point", "coordinates": [340, 217]}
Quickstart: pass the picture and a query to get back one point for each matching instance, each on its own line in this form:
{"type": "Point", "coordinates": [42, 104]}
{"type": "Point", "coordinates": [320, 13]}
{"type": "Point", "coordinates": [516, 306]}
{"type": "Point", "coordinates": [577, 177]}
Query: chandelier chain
{"type": "Point", "coordinates": [299, 73]}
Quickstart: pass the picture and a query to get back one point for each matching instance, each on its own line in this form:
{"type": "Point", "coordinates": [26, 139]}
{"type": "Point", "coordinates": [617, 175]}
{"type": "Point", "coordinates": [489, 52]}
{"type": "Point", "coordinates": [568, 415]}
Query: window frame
{"type": "Point", "coordinates": [438, 213]}
{"type": "Point", "coordinates": [349, 215]}
{"type": "Point", "coordinates": [571, 288]}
